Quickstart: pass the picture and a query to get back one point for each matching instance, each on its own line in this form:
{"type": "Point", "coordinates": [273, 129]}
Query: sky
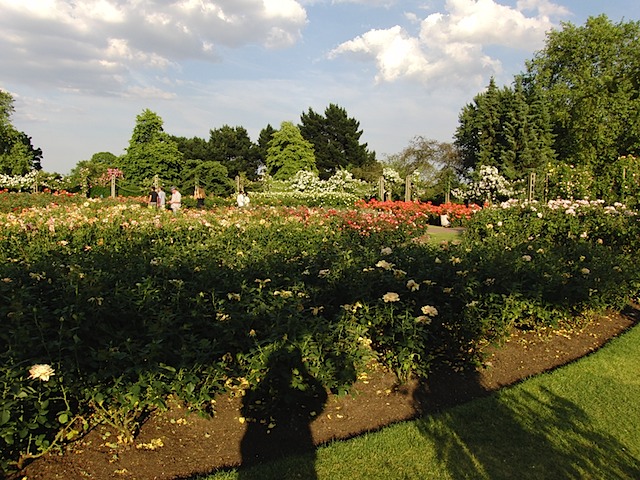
{"type": "Point", "coordinates": [80, 71]}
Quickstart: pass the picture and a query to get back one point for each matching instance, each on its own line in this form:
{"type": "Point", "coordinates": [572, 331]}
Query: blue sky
{"type": "Point", "coordinates": [80, 71]}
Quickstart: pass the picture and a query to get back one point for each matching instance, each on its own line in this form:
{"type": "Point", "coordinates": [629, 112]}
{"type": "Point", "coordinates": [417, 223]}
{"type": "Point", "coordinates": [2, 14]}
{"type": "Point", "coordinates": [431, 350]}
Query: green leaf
{"type": "Point", "coordinates": [5, 415]}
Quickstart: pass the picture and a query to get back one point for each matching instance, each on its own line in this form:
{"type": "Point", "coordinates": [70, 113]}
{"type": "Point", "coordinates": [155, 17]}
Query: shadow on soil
{"type": "Point", "coordinates": [279, 412]}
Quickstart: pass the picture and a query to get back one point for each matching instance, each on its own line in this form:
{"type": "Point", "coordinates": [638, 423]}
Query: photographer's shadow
{"type": "Point", "coordinates": [278, 412]}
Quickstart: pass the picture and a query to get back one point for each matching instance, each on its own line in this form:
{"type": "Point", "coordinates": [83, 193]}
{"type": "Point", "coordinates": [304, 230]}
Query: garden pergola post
{"type": "Point", "coordinates": [407, 189]}
{"type": "Point", "coordinates": [532, 186]}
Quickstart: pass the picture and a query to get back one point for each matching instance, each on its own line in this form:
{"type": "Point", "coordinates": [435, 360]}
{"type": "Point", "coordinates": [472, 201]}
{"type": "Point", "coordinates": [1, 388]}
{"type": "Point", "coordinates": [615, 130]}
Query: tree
{"type": "Point", "coordinates": [507, 128]}
{"type": "Point", "coordinates": [88, 173]}
{"type": "Point", "coordinates": [434, 166]}
{"type": "Point", "coordinates": [195, 148]}
{"type": "Point", "coordinates": [589, 78]}
{"type": "Point", "coordinates": [263, 145]}
{"type": "Point", "coordinates": [232, 147]}
{"type": "Point", "coordinates": [17, 154]}
{"type": "Point", "coordinates": [210, 175]}
{"type": "Point", "coordinates": [151, 152]}
{"type": "Point", "coordinates": [288, 153]}
{"type": "Point", "coordinates": [336, 140]}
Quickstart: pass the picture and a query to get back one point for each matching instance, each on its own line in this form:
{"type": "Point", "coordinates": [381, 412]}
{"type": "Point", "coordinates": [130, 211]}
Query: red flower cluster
{"type": "Point", "coordinates": [454, 210]}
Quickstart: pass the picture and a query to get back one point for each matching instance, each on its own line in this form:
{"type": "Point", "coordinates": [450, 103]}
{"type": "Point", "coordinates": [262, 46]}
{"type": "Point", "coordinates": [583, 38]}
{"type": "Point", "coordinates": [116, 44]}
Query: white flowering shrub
{"type": "Point", "coordinates": [489, 186]}
{"type": "Point", "coordinates": [306, 188]}
{"type": "Point", "coordinates": [18, 183]}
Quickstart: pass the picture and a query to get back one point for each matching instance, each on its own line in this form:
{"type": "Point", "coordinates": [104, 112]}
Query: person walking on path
{"type": "Point", "coordinates": [175, 202]}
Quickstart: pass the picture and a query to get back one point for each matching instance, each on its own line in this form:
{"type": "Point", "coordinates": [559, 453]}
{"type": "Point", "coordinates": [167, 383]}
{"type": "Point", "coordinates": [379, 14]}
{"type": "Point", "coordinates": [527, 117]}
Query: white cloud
{"type": "Point", "coordinates": [450, 48]}
{"type": "Point", "coordinates": [97, 45]}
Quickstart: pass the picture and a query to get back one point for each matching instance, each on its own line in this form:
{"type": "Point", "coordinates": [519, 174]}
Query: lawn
{"type": "Point", "coordinates": [580, 421]}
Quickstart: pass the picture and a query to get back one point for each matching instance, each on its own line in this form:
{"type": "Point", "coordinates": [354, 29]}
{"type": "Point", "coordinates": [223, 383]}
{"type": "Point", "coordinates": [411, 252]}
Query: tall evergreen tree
{"type": "Point", "coordinates": [262, 146]}
{"type": "Point", "coordinates": [289, 153]}
{"type": "Point", "coordinates": [336, 140]}
{"type": "Point", "coordinates": [508, 128]}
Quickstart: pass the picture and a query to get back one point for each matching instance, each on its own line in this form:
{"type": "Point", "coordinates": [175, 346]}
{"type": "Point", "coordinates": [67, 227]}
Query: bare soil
{"type": "Point", "coordinates": [178, 445]}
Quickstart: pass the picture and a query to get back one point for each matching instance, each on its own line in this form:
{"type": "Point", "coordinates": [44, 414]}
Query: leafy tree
{"type": "Point", "coordinates": [288, 153]}
{"type": "Point", "coordinates": [17, 154]}
{"type": "Point", "coordinates": [434, 166]}
{"type": "Point", "coordinates": [210, 175]}
{"type": "Point", "coordinates": [88, 173]}
{"type": "Point", "coordinates": [589, 77]}
{"type": "Point", "coordinates": [151, 152]}
{"type": "Point", "coordinates": [336, 140]}
{"type": "Point", "coordinates": [192, 148]}
{"type": "Point", "coordinates": [232, 147]}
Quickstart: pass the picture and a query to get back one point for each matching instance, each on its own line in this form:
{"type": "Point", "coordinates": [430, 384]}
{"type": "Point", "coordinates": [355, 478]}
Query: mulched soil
{"type": "Point", "coordinates": [178, 445]}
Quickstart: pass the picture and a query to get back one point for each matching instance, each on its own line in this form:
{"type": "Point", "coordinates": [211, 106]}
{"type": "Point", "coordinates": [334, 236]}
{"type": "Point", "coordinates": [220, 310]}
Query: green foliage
{"type": "Point", "coordinates": [572, 112]}
{"type": "Point", "coordinates": [588, 77]}
{"type": "Point", "coordinates": [17, 154]}
{"type": "Point", "coordinates": [505, 128]}
{"type": "Point", "coordinates": [207, 297]}
{"type": "Point", "coordinates": [232, 147]}
{"type": "Point", "coordinates": [212, 176]}
{"type": "Point", "coordinates": [335, 138]}
{"type": "Point", "coordinates": [151, 152]}
{"type": "Point", "coordinates": [289, 152]}
{"type": "Point", "coordinates": [91, 173]}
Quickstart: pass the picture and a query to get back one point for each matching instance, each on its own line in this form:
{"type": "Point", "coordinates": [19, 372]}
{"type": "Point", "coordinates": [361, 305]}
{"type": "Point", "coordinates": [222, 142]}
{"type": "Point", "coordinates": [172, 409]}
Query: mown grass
{"type": "Point", "coordinates": [579, 422]}
{"type": "Point", "coordinates": [441, 234]}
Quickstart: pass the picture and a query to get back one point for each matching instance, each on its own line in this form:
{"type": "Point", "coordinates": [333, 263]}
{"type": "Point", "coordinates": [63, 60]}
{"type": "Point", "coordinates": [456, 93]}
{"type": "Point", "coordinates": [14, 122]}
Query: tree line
{"type": "Point", "coordinates": [571, 117]}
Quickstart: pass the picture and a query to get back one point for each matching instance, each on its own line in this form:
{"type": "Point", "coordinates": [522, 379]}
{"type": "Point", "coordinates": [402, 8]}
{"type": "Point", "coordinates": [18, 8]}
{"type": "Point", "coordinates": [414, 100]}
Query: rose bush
{"type": "Point", "coordinates": [130, 306]}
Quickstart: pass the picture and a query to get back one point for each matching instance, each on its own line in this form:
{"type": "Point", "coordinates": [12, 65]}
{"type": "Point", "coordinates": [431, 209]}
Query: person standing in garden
{"type": "Point", "coordinates": [199, 195]}
{"type": "Point", "coordinates": [162, 198]}
{"type": "Point", "coordinates": [175, 202]}
{"type": "Point", "coordinates": [153, 198]}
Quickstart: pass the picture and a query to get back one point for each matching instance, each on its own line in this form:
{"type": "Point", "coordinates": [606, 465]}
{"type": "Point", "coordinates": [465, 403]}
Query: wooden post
{"type": "Point", "coordinates": [546, 188]}
{"type": "Point", "coordinates": [237, 183]}
{"type": "Point", "coordinates": [447, 192]}
{"type": "Point", "coordinates": [113, 186]}
{"type": "Point", "coordinates": [381, 189]}
{"type": "Point", "coordinates": [532, 185]}
{"type": "Point", "coordinates": [407, 189]}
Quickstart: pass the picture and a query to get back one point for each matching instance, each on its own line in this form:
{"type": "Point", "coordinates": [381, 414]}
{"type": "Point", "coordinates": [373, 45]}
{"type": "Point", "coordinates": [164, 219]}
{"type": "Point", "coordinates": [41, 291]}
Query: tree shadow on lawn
{"type": "Point", "coordinates": [513, 442]}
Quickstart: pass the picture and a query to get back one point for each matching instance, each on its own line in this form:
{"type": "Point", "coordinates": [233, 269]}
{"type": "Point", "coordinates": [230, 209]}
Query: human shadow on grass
{"type": "Point", "coordinates": [278, 412]}
{"type": "Point", "coordinates": [533, 434]}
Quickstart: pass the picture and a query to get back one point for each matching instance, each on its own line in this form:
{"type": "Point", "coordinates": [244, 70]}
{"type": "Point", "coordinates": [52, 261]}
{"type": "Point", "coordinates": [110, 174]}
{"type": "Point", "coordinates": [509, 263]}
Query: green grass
{"type": "Point", "coordinates": [441, 234]}
{"type": "Point", "coordinates": [579, 422]}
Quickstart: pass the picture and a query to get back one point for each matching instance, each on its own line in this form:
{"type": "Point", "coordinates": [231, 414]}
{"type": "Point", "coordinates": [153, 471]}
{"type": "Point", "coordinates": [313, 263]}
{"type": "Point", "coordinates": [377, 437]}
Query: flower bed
{"type": "Point", "coordinates": [110, 308]}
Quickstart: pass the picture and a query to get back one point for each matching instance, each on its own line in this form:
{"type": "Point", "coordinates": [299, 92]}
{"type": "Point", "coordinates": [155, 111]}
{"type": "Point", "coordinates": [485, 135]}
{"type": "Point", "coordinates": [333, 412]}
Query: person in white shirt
{"type": "Point", "coordinates": [176, 199]}
{"type": "Point", "coordinates": [162, 198]}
